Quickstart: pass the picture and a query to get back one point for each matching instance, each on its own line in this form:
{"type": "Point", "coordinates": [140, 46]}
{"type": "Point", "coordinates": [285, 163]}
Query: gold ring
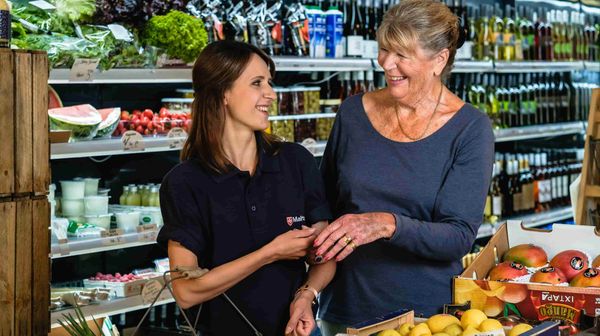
{"type": "Point", "coordinates": [347, 240]}
{"type": "Point", "coordinates": [352, 245]}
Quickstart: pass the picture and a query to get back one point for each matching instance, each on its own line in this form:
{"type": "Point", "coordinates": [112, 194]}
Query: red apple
{"type": "Point", "coordinates": [570, 262]}
{"type": "Point", "coordinates": [528, 255]}
{"type": "Point", "coordinates": [588, 278]}
{"type": "Point", "coordinates": [507, 270]}
{"type": "Point", "coordinates": [549, 275]}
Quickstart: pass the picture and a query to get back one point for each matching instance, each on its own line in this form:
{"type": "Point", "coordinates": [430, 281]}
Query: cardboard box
{"type": "Point", "coordinates": [533, 301]}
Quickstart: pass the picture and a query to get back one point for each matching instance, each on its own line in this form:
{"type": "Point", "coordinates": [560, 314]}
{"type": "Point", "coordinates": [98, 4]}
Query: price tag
{"type": "Point", "coordinates": [311, 145]}
{"type": "Point", "coordinates": [132, 141]}
{"type": "Point", "coordinates": [150, 291]}
{"type": "Point", "coordinates": [112, 233]}
{"type": "Point", "coordinates": [64, 250]}
{"type": "Point", "coordinates": [116, 240]}
{"type": "Point", "coordinates": [41, 4]}
{"type": "Point", "coordinates": [83, 69]}
{"type": "Point", "coordinates": [176, 137]}
{"type": "Point", "coordinates": [149, 236]}
{"type": "Point", "coordinates": [146, 227]}
{"type": "Point", "coordinates": [120, 32]}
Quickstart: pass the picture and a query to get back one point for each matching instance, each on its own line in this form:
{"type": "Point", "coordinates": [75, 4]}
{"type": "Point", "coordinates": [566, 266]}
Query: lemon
{"type": "Point", "coordinates": [440, 334]}
{"type": "Point", "coordinates": [420, 329]}
{"type": "Point", "coordinates": [469, 331]}
{"type": "Point", "coordinates": [405, 328]}
{"type": "Point", "coordinates": [489, 325]}
{"type": "Point", "coordinates": [453, 329]}
{"type": "Point", "coordinates": [388, 332]}
{"type": "Point", "coordinates": [438, 322]}
{"type": "Point", "coordinates": [519, 329]}
{"type": "Point", "coordinates": [472, 317]}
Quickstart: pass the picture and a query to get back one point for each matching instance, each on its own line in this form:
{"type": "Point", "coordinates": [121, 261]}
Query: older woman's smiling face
{"type": "Point", "coordinates": [410, 76]}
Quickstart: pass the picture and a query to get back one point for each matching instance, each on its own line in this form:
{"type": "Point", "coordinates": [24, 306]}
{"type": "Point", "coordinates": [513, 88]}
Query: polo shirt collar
{"type": "Point", "coordinates": [267, 163]}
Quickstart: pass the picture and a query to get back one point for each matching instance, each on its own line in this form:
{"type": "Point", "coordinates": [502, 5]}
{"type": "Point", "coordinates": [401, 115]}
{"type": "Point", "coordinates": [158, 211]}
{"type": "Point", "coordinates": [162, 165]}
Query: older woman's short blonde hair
{"type": "Point", "coordinates": [428, 23]}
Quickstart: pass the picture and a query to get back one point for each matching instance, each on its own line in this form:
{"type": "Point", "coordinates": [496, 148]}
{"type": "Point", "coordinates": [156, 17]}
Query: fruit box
{"type": "Point", "coordinates": [534, 301]}
{"type": "Point", "coordinates": [126, 289]}
{"type": "Point", "coordinates": [395, 319]}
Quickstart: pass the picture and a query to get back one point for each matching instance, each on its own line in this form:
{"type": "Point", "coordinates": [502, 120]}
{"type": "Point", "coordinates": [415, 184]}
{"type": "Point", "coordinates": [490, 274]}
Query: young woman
{"type": "Point", "coordinates": [241, 202]}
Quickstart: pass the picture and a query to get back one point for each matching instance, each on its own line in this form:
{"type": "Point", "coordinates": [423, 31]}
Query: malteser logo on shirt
{"type": "Point", "coordinates": [294, 219]}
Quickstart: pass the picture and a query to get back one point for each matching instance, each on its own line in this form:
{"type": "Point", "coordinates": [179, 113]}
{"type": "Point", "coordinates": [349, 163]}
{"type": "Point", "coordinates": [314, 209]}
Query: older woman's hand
{"type": "Point", "coordinates": [348, 232]}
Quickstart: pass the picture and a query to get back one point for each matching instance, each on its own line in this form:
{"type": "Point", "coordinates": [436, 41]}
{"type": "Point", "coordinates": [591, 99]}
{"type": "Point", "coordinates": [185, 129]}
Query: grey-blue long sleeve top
{"type": "Point", "coordinates": [436, 188]}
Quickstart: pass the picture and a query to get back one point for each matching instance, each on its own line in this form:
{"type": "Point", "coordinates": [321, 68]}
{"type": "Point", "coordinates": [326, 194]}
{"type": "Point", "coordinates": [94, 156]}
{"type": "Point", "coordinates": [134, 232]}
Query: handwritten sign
{"type": "Point", "coordinates": [112, 233]}
{"type": "Point", "coordinates": [176, 137]}
{"type": "Point", "coordinates": [146, 227]}
{"type": "Point", "coordinates": [83, 69]}
{"type": "Point", "coordinates": [132, 141]}
{"type": "Point", "coordinates": [116, 240]}
{"type": "Point", "coordinates": [150, 291]}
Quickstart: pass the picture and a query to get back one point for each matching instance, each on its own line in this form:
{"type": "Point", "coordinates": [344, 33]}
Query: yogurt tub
{"type": "Point", "coordinates": [102, 221]}
{"type": "Point", "coordinates": [72, 189]}
{"type": "Point", "coordinates": [128, 221]}
{"type": "Point", "coordinates": [151, 216]}
{"type": "Point", "coordinates": [72, 207]}
{"type": "Point", "coordinates": [95, 205]}
{"type": "Point", "coordinates": [91, 185]}
{"type": "Point", "coordinates": [103, 192]}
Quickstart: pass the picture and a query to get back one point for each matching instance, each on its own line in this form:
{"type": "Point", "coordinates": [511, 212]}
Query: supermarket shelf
{"type": "Point", "coordinates": [530, 221]}
{"type": "Point", "coordinates": [472, 66]}
{"type": "Point", "coordinates": [538, 131]}
{"type": "Point", "coordinates": [537, 66]}
{"type": "Point", "coordinates": [302, 116]}
{"type": "Point", "coordinates": [290, 63]}
{"type": "Point", "coordinates": [79, 246]}
{"type": "Point", "coordinates": [592, 66]}
{"type": "Point", "coordinates": [112, 307]}
{"type": "Point", "coordinates": [107, 147]}
{"type": "Point", "coordinates": [126, 76]}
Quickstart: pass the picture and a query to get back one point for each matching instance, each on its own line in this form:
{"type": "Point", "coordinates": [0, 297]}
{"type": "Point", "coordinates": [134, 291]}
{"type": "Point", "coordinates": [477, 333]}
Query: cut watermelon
{"type": "Point", "coordinates": [81, 120]}
{"type": "Point", "coordinates": [110, 120]}
{"type": "Point", "coordinates": [53, 99]}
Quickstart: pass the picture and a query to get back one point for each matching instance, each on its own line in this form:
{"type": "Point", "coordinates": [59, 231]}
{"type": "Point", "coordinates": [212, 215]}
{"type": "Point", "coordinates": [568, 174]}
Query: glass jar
{"type": "Point", "coordinates": [284, 101]}
{"type": "Point", "coordinates": [312, 96]}
{"type": "Point", "coordinates": [297, 102]}
{"type": "Point", "coordinates": [123, 198]}
{"type": "Point", "coordinates": [134, 197]}
{"type": "Point", "coordinates": [283, 129]}
{"type": "Point", "coordinates": [303, 129]}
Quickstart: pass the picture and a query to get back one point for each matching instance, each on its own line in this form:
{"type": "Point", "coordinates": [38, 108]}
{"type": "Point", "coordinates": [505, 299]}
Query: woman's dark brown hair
{"type": "Point", "coordinates": [217, 67]}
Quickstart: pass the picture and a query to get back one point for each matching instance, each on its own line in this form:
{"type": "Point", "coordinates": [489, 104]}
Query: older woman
{"type": "Point", "coordinates": [406, 171]}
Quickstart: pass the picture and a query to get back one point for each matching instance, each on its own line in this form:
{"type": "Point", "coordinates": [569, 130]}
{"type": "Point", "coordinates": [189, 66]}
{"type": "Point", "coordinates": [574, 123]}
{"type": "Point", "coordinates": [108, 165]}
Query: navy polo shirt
{"type": "Point", "coordinates": [222, 217]}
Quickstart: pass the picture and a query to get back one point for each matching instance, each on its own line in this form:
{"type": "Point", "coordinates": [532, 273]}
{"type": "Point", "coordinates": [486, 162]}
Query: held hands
{"type": "Point", "coordinates": [344, 235]}
{"type": "Point", "coordinates": [302, 321]}
{"type": "Point", "coordinates": [291, 245]}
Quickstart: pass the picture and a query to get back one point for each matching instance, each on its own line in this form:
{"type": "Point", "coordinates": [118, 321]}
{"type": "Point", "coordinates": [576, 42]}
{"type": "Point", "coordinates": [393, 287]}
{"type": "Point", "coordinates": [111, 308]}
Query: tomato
{"type": "Point", "coordinates": [137, 123]}
{"type": "Point", "coordinates": [124, 115]}
{"type": "Point", "coordinates": [163, 112]}
{"type": "Point", "coordinates": [148, 113]}
{"type": "Point", "coordinates": [150, 125]}
{"type": "Point", "coordinates": [147, 132]}
{"type": "Point", "coordinates": [144, 121]}
{"type": "Point", "coordinates": [140, 129]}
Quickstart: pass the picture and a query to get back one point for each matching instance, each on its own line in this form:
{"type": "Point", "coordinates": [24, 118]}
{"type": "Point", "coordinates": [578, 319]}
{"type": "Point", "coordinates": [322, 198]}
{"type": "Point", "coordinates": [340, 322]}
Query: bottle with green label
{"type": "Point", "coordinates": [4, 24]}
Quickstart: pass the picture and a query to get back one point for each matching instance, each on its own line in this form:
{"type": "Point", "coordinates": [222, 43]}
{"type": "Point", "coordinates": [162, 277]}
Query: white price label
{"type": "Point", "coordinates": [41, 4]}
{"type": "Point", "coordinates": [132, 141]}
{"type": "Point", "coordinates": [311, 145]}
{"type": "Point", "coordinates": [83, 69]}
{"type": "Point", "coordinates": [149, 236]}
{"type": "Point", "coordinates": [150, 291]}
{"type": "Point", "coordinates": [146, 227]}
{"type": "Point", "coordinates": [112, 233]}
{"type": "Point", "coordinates": [120, 32]}
{"type": "Point", "coordinates": [63, 249]}
{"type": "Point", "coordinates": [116, 240]}
{"type": "Point", "coordinates": [176, 137]}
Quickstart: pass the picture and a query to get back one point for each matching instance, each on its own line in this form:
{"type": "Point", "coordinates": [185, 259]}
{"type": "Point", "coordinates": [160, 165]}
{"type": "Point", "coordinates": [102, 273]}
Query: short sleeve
{"type": "Point", "coordinates": [181, 215]}
{"type": "Point", "coordinates": [316, 206]}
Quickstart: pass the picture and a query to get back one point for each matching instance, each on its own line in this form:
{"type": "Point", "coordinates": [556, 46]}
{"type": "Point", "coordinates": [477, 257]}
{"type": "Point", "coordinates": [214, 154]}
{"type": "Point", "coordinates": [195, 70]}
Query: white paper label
{"type": "Point", "coordinates": [150, 291]}
{"type": "Point", "coordinates": [497, 205]}
{"type": "Point", "coordinates": [565, 185]}
{"type": "Point", "coordinates": [41, 4]}
{"type": "Point", "coordinates": [311, 145]}
{"type": "Point", "coordinates": [149, 236]}
{"type": "Point", "coordinates": [116, 240]}
{"type": "Point", "coordinates": [83, 69]}
{"type": "Point", "coordinates": [544, 191]}
{"type": "Point", "coordinates": [354, 45]}
{"type": "Point", "coordinates": [112, 233]}
{"type": "Point", "coordinates": [371, 49]}
{"type": "Point", "coordinates": [465, 52]}
{"type": "Point", "coordinates": [132, 141]}
{"type": "Point", "coordinates": [120, 32]}
{"type": "Point", "coordinates": [147, 227]}
{"type": "Point", "coordinates": [176, 137]}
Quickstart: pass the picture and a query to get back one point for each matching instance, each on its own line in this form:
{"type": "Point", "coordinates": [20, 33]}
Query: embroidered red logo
{"type": "Point", "coordinates": [289, 220]}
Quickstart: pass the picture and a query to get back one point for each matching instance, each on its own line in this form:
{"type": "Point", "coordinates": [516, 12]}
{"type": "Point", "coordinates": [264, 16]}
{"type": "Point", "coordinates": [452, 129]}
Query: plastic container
{"type": "Point", "coordinates": [151, 216]}
{"type": "Point", "coordinates": [91, 186]}
{"type": "Point", "coordinates": [95, 205]}
{"type": "Point", "coordinates": [72, 207]}
{"type": "Point", "coordinates": [178, 105]}
{"type": "Point", "coordinates": [128, 221]}
{"type": "Point", "coordinates": [73, 189]}
{"type": "Point", "coordinates": [125, 289]}
{"type": "Point", "coordinates": [102, 221]}
{"type": "Point", "coordinates": [103, 192]}
{"type": "Point", "coordinates": [334, 22]}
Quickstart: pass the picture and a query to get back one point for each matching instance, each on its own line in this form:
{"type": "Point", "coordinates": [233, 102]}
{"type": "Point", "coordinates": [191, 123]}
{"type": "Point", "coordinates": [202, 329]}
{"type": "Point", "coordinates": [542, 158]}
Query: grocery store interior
{"type": "Point", "coordinates": [119, 98]}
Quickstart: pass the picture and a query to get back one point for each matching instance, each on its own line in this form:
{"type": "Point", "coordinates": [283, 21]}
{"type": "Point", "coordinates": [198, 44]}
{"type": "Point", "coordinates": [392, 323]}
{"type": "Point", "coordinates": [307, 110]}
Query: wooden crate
{"type": "Point", "coordinates": [41, 266]}
{"type": "Point", "coordinates": [7, 152]}
{"type": "Point", "coordinates": [589, 190]}
{"type": "Point", "coordinates": [8, 217]}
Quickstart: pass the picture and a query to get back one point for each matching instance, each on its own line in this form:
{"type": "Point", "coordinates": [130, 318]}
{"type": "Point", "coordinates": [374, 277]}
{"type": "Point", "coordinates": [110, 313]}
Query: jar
{"type": "Point", "coordinates": [185, 93]}
{"type": "Point", "coordinates": [304, 128]}
{"type": "Point", "coordinates": [283, 129]}
{"type": "Point", "coordinates": [297, 101]}
{"type": "Point", "coordinates": [312, 96]}
{"type": "Point", "coordinates": [274, 107]}
{"type": "Point", "coordinates": [284, 101]}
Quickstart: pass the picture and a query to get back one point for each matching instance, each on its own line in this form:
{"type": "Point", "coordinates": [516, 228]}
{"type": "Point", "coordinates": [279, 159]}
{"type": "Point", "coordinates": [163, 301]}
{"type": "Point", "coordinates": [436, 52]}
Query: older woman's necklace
{"type": "Point", "coordinates": [428, 122]}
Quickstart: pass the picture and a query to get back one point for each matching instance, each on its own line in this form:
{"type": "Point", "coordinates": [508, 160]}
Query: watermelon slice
{"type": "Point", "coordinates": [53, 99]}
{"type": "Point", "coordinates": [110, 120]}
{"type": "Point", "coordinates": [82, 120]}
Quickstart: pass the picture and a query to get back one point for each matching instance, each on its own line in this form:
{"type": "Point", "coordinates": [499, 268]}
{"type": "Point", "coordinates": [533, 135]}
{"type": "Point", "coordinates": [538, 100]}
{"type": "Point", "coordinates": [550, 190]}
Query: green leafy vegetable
{"type": "Point", "coordinates": [181, 35]}
{"type": "Point", "coordinates": [75, 10]}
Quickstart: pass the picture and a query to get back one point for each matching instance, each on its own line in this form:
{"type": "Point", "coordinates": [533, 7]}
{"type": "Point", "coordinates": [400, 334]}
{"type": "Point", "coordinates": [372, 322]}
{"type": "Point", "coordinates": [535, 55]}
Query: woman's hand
{"type": "Point", "coordinates": [350, 231]}
{"type": "Point", "coordinates": [302, 321]}
{"type": "Point", "coordinates": [291, 245]}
